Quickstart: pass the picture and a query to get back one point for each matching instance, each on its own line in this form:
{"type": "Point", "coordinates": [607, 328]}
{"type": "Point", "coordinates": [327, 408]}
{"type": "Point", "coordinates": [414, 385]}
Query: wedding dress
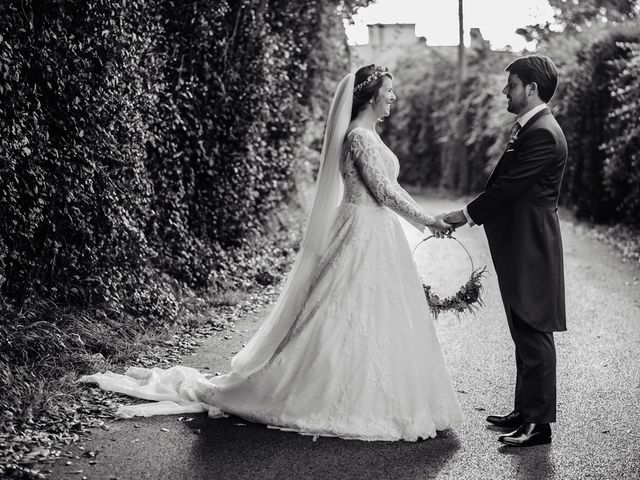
{"type": "Point", "coordinates": [356, 355]}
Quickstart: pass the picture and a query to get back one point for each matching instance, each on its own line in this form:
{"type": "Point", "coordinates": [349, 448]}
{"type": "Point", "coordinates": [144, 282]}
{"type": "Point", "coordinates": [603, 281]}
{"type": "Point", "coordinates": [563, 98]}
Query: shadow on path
{"type": "Point", "coordinates": [249, 450]}
{"type": "Point", "coordinates": [531, 463]}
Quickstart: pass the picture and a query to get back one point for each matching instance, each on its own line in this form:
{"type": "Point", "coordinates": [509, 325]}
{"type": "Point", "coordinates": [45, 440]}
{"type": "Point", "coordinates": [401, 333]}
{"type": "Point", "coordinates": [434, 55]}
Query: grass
{"type": "Point", "coordinates": [44, 344]}
{"type": "Point", "coordinates": [228, 298]}
{"type": "Point", "coordinates": [45, 347]}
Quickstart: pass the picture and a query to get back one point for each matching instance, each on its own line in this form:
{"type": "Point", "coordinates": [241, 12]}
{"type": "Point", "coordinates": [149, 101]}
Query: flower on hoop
{"type": "Point", "coordinates": [468, 298]}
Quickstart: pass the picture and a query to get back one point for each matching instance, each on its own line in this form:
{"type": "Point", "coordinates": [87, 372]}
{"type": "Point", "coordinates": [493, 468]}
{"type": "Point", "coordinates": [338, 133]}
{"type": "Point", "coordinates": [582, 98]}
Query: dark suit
{"type": "Point", "coordinates": [518, 209]}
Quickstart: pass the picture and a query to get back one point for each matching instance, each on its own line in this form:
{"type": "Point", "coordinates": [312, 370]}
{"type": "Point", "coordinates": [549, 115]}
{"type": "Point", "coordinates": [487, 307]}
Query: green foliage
{"type": "Point", "coordinates": [575, 16]}
{"type": "Point", "coordinates": [149, 140]}
{"type": "Point", "coordinates": [622, 145]}
{"type": "Point", "coordinates": [419, 126]}
{"type": "Point", "coordinates": [41, 341]}
{"type": "Point", "coordinates": [598, 108]}
{"type": "Point", "coordinates": [487, 122]}
{"type": "Point", "coordinates": [74, 191]}
{"type": "Point", "coordinates": [422, 126]}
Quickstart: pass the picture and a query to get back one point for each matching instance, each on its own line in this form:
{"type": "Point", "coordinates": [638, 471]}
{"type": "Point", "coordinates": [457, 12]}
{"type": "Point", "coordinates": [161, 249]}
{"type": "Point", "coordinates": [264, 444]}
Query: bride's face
{"type": "Point", "coordinates": [384, 98]}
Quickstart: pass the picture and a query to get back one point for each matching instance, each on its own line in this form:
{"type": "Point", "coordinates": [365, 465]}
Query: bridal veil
{"type": "Point", "coordinates": [328, 194]}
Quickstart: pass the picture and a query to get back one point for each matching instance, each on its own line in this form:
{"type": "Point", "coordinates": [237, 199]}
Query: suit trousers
{"type": "Point", "coordinates": [535, 394]}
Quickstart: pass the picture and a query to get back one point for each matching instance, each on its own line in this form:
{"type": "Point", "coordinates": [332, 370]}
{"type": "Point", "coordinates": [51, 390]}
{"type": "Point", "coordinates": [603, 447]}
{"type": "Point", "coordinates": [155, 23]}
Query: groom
{"type": "Point", "coordinates": [518, 209]}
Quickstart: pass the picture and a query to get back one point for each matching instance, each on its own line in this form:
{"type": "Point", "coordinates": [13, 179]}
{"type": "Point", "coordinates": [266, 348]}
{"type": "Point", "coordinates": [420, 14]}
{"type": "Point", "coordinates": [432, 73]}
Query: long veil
{"type": "Point", "coordinates": [328, 194]}
{"type": "Point", "coordinates": [179, 389]}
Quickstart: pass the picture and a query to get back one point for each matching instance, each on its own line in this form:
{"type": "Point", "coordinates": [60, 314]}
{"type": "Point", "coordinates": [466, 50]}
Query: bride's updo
{"type": "Point", "coordinates": [367, 82]}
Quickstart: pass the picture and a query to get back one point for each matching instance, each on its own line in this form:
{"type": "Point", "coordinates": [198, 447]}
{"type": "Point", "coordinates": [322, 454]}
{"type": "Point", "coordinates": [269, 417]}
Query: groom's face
{"type": "Point", "coordinates": [516, 93]}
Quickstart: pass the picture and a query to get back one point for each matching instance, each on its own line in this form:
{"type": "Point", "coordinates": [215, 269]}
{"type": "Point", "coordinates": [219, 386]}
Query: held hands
{"type": "Point", "coordinates": [439, 228]}
{"type": "Point", "coordinates": [446, 223]}
{"type": "Point", "coordinates": [455, 218]}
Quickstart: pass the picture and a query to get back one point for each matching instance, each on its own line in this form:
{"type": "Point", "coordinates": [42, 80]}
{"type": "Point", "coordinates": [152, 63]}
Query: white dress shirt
{"type": "Point", "coordinates": [522, 120]}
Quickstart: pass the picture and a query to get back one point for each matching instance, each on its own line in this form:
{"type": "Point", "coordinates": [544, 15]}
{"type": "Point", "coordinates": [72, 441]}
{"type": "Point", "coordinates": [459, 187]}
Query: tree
{"type": "Point", "coordinates": [459, 149]}
{"type": "Point", "coordinates": [573, 16]}
{"type": "Point", "coordinates": [420, 131]}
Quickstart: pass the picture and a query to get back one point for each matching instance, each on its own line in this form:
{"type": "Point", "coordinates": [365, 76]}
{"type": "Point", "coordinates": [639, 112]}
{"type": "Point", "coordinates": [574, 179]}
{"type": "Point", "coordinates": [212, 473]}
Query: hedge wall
{"type": "Point", "coordinates": [149, 140]}
{"type": "Point", "coordinates": [74, 193]}
{"type": "Point", "coordinates": [599, 109]}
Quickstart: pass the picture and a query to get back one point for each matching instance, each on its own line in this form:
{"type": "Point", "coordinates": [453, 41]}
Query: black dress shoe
{"type": "Point", "coordinates": [513, 420]}
{"type": "Point", "coordinates": [527, 435]}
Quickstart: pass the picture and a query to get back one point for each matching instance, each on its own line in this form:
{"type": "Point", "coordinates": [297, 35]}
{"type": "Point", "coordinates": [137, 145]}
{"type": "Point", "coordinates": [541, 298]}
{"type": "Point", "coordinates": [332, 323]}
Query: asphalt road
{"type": "Point", "coordinates": [597, 435]}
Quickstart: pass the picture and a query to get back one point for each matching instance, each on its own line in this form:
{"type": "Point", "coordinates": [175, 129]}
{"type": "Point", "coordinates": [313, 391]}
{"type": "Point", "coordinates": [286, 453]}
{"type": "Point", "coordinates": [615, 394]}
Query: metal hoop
{"type": "Point", "coordinates": [452, 237]}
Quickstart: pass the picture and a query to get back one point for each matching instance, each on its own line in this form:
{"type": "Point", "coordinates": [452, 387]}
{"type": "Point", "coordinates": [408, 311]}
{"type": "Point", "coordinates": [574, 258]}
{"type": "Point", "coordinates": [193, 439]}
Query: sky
{"type": "Point", "coordinates": [437, 20]}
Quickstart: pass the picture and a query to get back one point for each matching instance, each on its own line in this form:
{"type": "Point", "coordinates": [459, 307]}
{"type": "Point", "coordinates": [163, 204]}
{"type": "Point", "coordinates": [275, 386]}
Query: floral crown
{"type": "Point", "coordinates": [377, 73]}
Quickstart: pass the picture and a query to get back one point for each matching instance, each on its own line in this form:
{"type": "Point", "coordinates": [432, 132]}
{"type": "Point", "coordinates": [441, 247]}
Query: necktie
{"type": "Point", "coordinates": [514, 132]}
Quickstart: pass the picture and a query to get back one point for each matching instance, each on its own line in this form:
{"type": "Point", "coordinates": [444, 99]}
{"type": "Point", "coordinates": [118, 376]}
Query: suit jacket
{"type": "Point", "coordinates": [518, 209]}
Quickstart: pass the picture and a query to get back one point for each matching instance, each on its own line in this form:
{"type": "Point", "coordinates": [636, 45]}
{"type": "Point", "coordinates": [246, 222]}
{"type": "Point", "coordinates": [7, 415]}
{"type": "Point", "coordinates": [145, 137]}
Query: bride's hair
{"type": "Point", "coordinates": [367, 82]}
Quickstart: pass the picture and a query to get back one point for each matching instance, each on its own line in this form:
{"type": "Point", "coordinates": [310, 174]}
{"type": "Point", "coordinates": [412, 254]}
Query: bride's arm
{"type": "Point", "coordinates": [409, 198]}
{"type": "Point", "coordinates": [386, 190]}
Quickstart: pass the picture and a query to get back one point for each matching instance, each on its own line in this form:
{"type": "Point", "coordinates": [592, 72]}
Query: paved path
{"type": "Point", "coordinates": [597, 435]}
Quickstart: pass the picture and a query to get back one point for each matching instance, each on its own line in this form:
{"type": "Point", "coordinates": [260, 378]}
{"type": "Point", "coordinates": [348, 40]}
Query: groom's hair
{"type": "Point", "coordinates": [538, 69]}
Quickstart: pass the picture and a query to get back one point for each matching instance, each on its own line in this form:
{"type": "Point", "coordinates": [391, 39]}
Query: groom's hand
{"type": "Point", "coordinates": [455, 218]}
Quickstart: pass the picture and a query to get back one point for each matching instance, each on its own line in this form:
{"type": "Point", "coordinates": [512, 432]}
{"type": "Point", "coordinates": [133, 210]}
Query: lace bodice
{"type": "Point", "coordinates": [369, 171]}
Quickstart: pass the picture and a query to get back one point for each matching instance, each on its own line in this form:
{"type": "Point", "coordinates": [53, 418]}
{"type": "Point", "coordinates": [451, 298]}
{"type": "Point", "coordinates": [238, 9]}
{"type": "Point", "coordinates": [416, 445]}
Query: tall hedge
{"type": "Point", "coordinates": [599, 111]}
{"type": "Point", "coordinates": [74, 193]}
{"type": "Point", "coordinates": [145, 140]}
{"type": "Point", "coordinates": [622, 147]}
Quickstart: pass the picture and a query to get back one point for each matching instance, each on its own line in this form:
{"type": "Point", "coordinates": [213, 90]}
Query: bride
{"type": "Point", "coordinates": [349, 349]}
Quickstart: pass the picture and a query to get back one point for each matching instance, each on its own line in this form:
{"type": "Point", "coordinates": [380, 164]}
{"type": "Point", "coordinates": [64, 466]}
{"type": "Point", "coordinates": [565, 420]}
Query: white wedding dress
{"type": "Point", "coordinates": [360, 357]}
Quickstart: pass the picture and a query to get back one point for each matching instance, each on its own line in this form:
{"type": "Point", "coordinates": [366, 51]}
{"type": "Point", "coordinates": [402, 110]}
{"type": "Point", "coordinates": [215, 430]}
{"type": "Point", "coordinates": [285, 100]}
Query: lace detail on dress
{"type": "Point", "coordinates": [370, 171]}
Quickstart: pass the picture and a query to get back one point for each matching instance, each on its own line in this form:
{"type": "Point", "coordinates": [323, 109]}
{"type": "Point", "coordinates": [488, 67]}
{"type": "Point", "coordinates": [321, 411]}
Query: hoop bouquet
{"type": "Point", "coordinates": [468, 298]}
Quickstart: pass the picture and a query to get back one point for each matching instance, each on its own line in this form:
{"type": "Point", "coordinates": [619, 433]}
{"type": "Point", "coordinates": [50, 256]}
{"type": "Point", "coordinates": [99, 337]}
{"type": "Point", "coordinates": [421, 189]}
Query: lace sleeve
{"type": "Point", "coordinates": [370, 164]}
{"type": "Point", "coordinates": [410, 199]}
